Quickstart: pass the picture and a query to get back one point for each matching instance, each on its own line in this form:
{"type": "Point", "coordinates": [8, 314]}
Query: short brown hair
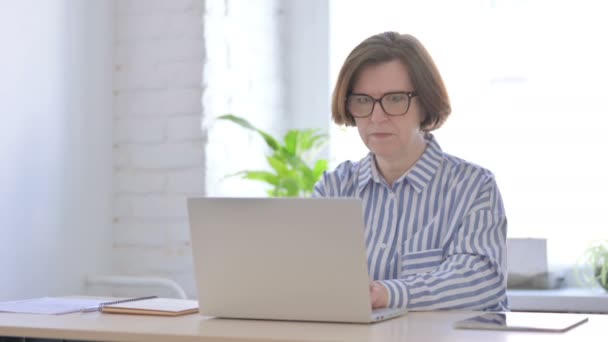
{"type": "Point", "coordinates": [385, 47]}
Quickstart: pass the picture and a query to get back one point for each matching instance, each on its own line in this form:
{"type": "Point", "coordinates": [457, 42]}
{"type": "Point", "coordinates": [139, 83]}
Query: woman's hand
{"type": "Point", "coordinates": [378, 295]}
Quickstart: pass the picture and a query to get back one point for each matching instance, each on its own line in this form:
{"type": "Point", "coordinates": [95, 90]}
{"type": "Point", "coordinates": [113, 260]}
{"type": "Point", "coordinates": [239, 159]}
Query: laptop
{"type": "Point", "coordinates": [297, 259]}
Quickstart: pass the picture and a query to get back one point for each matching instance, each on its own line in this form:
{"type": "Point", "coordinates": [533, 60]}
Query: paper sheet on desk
{"type": "Point", "coordinates": [48, 305]}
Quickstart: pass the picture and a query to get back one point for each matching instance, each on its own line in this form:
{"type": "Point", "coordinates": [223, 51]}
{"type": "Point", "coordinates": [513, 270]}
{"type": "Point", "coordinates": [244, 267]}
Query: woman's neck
{"type": "Point", "coordinates": [393, 168]}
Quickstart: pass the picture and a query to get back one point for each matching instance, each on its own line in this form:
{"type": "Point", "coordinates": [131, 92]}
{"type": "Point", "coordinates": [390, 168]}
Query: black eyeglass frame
{"type": "Point", "coordinates": [409, 95]}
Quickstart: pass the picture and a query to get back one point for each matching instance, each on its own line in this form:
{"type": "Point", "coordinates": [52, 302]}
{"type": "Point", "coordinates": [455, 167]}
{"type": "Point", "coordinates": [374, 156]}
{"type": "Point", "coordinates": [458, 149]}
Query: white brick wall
{"type": "Point", "coordinates": [166, 53]}
{"type": "Point", "coordinates": [158, 140]}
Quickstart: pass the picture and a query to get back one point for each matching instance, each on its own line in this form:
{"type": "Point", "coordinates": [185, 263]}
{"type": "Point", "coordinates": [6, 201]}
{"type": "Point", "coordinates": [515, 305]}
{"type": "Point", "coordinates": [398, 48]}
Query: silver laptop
{"type": "Point", "coordinates": [282, 259]}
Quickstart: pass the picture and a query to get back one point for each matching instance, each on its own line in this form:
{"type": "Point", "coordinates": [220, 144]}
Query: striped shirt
{"type": "Point", "coordinates": [436, 238]}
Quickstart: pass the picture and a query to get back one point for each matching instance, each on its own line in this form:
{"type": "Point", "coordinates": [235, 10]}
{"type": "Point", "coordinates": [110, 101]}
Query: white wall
{"type": "Point", "coordinates": [306, 46]}
{"type": "Point", "coordinates": [55, 145]}
{"type": "Point", "coordinates": [158, 141]}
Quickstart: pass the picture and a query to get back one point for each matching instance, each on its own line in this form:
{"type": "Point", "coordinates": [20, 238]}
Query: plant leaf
{"type": "Point", "coordinates": [291, 186]}
{"type": "Point", "coordinates": [320, 166]}
{"type": "Point", "coordinates": [293, 175]}
{"type": "Point", "coordinates": [270, 140]}
{"type": "Point", "coordinates": [312, 139]}
{"type": "Point", "coordinates": [263, 176]}
{"type": "Point", "coordinates": [291, 141]}
{"type": "Point", "coordinates": [278, 164]}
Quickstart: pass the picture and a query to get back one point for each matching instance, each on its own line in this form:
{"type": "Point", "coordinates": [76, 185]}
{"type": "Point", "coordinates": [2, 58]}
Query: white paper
{"type": "Point", "coordinates": [49, 305]}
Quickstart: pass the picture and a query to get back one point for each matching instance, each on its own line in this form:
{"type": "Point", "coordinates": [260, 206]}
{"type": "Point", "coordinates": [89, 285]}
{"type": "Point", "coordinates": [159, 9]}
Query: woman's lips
{"type": "Point", "coordinates": [380, 135]}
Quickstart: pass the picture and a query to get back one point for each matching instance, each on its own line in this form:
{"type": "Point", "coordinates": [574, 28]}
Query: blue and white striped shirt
{"type": "Point", "coordinates": [437, 237]}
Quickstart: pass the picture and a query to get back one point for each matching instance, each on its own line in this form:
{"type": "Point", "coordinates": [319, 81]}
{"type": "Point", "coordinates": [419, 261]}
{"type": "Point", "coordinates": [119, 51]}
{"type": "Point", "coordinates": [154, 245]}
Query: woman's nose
{"type": "Point", "coordinates": [378, 113]}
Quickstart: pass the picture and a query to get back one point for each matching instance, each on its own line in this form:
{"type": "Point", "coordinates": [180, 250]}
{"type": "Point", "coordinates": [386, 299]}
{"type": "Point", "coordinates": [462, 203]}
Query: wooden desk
{"type": "Point", "coordinates": [427, 326]}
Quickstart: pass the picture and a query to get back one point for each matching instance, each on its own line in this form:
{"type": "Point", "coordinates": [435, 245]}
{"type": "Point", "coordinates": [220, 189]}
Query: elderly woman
{"type": "Point", "coordinates": [435, 224]}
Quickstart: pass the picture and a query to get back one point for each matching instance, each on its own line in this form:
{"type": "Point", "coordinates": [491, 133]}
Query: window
{"type": "Point", "coordinates": [526, 80]}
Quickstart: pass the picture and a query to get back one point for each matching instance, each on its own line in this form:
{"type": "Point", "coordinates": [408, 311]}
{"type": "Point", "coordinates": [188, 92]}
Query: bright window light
{"type": "Point", "coordinates": [527, 82]}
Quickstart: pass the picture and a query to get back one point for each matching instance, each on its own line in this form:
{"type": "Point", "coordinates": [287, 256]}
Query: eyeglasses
{"type": "Point", "coordinates": [395, 104]}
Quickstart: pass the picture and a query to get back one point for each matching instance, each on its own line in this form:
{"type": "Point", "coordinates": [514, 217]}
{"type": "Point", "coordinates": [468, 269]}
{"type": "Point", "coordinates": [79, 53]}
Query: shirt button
{"type": "Point", "coordinates": [382, 246]}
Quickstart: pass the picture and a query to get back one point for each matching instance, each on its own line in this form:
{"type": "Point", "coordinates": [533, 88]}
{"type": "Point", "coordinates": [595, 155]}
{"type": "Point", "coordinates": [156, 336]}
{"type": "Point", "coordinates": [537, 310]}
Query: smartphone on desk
{"type": "Point", "coordinates": [522, 321]}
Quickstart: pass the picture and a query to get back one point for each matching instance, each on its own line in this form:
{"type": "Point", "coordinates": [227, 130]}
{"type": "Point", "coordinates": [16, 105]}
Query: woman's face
{"type": "Point", "coordinates": [389, 137]}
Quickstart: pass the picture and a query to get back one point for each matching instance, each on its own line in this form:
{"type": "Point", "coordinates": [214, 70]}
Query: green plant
{"type": "Point", "coordinates": [595, 257]}
{"type": "Point", "coordinates": [294, 168]}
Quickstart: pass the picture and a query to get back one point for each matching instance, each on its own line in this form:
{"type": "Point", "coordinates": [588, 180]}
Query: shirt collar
{"type": "Point", "coordinates": [419, 176]}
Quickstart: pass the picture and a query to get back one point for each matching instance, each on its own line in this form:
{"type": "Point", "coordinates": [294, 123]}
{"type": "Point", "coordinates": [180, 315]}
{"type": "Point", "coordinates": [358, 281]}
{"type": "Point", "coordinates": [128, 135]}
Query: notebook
{"type": "Point", "coordinates": [523, 321]}
{"type": "Point", "coordinates": [154, 306]}
{"type": "Point", "coordinates": [282, 258]}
